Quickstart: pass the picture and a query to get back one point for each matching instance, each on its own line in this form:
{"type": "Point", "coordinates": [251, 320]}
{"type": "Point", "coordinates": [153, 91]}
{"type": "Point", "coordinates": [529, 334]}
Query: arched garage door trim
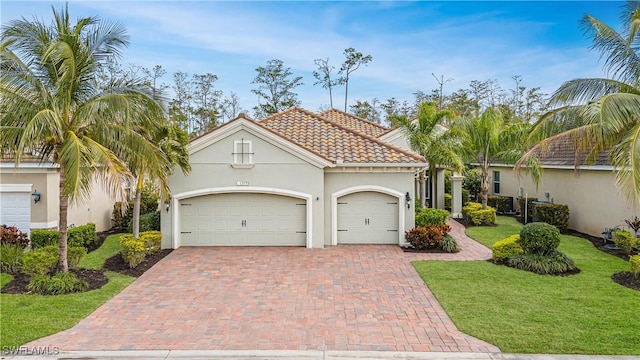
{"type": "Point", "coordinates": [175, 204]}
{"type": "Point", "coordinates": [361, 188]}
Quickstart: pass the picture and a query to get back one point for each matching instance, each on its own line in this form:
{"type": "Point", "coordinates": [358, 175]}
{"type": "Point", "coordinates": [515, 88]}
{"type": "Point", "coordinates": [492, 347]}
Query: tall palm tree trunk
{"type": "Point", "coordinates": [63, 265]}
{"type": "Point", "coordinates": [136, 207]}
{"type": "Point", "coordinates": [422, 195]}
{"type": "Point", "coordinates": [484, 187]}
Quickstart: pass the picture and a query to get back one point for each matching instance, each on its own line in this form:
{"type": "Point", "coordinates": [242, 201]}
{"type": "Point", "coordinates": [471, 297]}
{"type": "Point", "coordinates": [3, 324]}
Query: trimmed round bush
{"type": "Point", "coordinates": [431, 217]}
{"type": "Point", "coordinates": [539, 238]}
{"type": "Point", "coordinates": [506, 248]}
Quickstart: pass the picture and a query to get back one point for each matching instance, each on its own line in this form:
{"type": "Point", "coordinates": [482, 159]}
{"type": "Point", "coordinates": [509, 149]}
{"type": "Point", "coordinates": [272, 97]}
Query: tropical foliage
{"type": "Point", "coordinates": [595, 115]}
{"type": "Point", "coordinates": [52, 106]}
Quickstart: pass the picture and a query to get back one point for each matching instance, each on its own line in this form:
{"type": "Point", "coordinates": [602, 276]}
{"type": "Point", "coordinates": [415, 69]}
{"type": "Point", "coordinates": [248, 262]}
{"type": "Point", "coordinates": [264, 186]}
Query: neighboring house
{"type": "Point", "coordinates": [594, 201]}
{"type": "Point", "coordinates": [294, 178]}
{"type": "Point", "coordinates": [20, 188]}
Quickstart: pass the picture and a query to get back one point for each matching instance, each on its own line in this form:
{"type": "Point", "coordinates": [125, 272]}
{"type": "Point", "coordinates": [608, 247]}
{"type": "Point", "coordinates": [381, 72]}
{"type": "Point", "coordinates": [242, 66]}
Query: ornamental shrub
{"type": "Point", "coordinates": [74, 255]}
{"type": "Point", "coordinates": [469, 207]}
{"type": "Point", "coordinates": [82, 236]}
{"type": "Point", "coordinates": [148, 222]}
{"type": "Point", "coordinates": [11, 256]}
{"type": "Point", "coordinates": [634, 263]}
{"type": "Point", "coordinates": [483, 217]}
{"type": "Point", "coordinates": [447, 201]}
{"type": "Point", "coordinates": [507, 248]}
{"type": "Point", "coordinates": [465, 196]}
{"type": "Point", "coordinates": [429, 237]}
{"type": "Point", "coordinates": [431, 217]}
{"type": "Point", "coordinates": [539, 238]}
{"type": "Point", "coordinates": [624, 240]}
{"type": "Point", "coordinates": [135, 250]}
{"type": "Point", "coordinates": [449, 244]}
{"type": "Point", "coordinates": [11, 235]}
{"type": "Point", "coordinates": [41, 261]}
{"type": "Point", "coordinates": [548, 264]}
{"type": "Point", "coordinates": [60, 283]}
{"type": "Point", "coordinates": [148, 204]}
{"type": "Point", "coordinates": [500, 203]}
{"type": "Point", "coordinates": [554, 214]}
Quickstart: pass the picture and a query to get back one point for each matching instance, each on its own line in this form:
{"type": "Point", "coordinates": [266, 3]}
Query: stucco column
{"type": "Point", "coordinates": [440, 194]}
{"type": "Point", "coordinates": [456, 195]}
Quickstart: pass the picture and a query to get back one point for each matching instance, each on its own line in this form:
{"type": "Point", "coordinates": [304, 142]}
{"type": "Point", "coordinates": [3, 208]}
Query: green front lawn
{"type": "Point", "coordinates": [29, 317]}
{"type": "Point", "coordinates": [521, 312]}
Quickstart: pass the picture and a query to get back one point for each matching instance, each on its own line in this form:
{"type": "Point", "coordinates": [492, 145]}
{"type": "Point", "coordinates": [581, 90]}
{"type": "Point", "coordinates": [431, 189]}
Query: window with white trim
{"type": "Point", "coordinates": [242, 152]}
{"type": "Point", "coordinates": [496, 182]}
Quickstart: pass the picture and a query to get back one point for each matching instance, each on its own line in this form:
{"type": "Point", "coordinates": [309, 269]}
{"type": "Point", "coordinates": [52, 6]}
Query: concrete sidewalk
{"type": "Point", "coordinates": [301, 355]}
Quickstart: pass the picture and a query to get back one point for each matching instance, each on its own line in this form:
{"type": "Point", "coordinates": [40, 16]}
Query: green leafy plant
{"type": "Point", "coordinates": [634, 224]}
{"type": "Point", "coordinates": [41, 238]}
{"type": "Point", "coordinates": [483, 217]}
{"type": "Point", "coordinates": [449, 244]}
{"type": "Point", "coordinates": [11, 256]}
{"type": "Point", "coordinates": [82, 236]}
{"type": "Point", "coordinates": [539, 238]}
{"type": "Point", "coordinates": [507, 248]}
{"type": "Point", "coordinates": [447, 201]}
{"type": "Point", "coordinates": [148, 222]}
{"type": "Point", "coordinates": [75, 255]}
{"type": "Point", "coordinates": [60, 283]}
{"type": "Point", "coordinates": [148, 204]}
{"type": "Point", "coordinates": [469, 207]}
{"type": "Point", "coordinates": [11, 235]}
{"type": "Point", "coordinates": [634, 263]}
{"type": "Point", "coordinates": [502, 204]}
{"type": "Point", "coordinates": [472, 182]}
{"type": "Point", "coordinates": [40, 261]}
{"type": "Point", "coordinates": [548, 264]}
{"type": "Point", "coordinates": [135, 250]}
{"type": "Point", "coordinates": [554, 214]}
{"type": "Point", "coordinates": [431, 217]}
{"type": "Point", "coordinates": [625, 241]}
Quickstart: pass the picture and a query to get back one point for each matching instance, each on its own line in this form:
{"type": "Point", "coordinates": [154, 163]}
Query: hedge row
{"type": "Point", "coordinates": [135, 250]}
{"type": "Point", "coordinates": [82, 236]}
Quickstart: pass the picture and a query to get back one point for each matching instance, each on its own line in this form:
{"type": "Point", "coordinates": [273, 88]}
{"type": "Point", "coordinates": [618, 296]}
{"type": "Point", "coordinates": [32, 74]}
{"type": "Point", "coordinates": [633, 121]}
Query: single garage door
{"type": "Point", "coordinates": [243, 219]}
{"type": "Point", "coordinates": [367, 218]}
{"type": "Point", "coordinates": [15, 206]}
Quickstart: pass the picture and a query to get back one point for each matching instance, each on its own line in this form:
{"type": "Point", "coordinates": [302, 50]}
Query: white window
{"type": "Point", "coordinates": [496, 182]}
{"type": "Point", "coordinates": [242, 152]}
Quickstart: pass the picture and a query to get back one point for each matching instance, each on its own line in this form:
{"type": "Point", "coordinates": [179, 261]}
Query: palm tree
{"type": "Point", "coordinates": [430, 139]}
{"type": "Point", "coordinates": [172, 141]}
{"type": "Point", "coordinates": [489, 139]}
{"type": "Point", "coordinates": [601, 114]}
{"type": "Point", "coordinates": [51, 102]}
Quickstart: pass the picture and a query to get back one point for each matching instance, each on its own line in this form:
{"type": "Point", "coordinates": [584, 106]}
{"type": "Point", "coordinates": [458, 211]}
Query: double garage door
{"type": "Point", "coordinates": [244, 219]}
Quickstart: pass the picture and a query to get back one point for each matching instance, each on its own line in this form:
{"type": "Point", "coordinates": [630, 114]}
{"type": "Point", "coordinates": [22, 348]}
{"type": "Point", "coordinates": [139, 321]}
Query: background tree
{"type": "Point", "coordinates": [230, 107]}
{"type": "Point", "coordinates": [275, 85]}
{"type": "Point", "coordinates": [430, 139]}
{"type": "Point", "coordinates": [323, 77]}
{"type": "Point", "coordinates": [366, 110]}
{"type": "Point", "coordinates": [205, 102]}
{"type": "Point", "coordinates": [180, 107]}
{"type": "Point", "coordinates": [598, 114]}
{"type": "Point", "coordinates": [52, 103]}
{"type": "Point", "coordinates": [487, 140]}
{"type": "Point", "coordinates": [353, 60]}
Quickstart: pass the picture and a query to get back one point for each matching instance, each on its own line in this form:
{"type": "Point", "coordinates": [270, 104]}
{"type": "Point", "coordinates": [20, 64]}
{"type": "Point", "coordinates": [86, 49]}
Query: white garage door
{"type": "Point", "coordinates": [243, 219]}
{"type": "Point", "coordinates": [15, 206]}
{"type": "Point", "coordinates": [368, 218]}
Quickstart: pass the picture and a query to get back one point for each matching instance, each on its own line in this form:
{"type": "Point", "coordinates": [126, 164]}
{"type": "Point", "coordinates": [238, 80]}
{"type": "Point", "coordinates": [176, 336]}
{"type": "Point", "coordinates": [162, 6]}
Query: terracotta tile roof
{"type": "Point", "coordinates": [562, 152]}
{"type": "Point", "coordinates": [354, 122]}
{"type": "Point", "coordinates": [334, 141]}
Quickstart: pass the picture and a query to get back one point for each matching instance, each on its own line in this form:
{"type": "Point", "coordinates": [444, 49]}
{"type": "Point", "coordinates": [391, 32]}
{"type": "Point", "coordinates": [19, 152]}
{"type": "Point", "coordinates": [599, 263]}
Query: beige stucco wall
{"type": "Point", "coordinates": [593, 199]}
{"type": "Point", "coordinates": [45, 213]}
{"type": "Point", "coordinates": [399, 181]}
{"type": "Point", "coordinates": [274, 168]}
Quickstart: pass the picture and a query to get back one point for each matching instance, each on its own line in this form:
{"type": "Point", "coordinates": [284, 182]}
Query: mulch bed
{"type": "Point", "coordinates": [625, 278]}
{"type": "Point", "coordinates": [116, 263]}
{"type": "Point", "coordinates": [95, 278]}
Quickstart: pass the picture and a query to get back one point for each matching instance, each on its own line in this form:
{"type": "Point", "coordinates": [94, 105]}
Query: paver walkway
{"type": "Point", "coordinates": [346, 297]}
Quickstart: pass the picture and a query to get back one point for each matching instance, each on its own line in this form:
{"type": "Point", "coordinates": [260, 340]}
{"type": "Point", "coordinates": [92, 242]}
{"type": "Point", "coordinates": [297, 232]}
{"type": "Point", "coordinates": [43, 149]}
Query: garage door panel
{"type": "Point", "coordinates": [367, 218]}
{"type": "Point", "coordinates": [245, 219]}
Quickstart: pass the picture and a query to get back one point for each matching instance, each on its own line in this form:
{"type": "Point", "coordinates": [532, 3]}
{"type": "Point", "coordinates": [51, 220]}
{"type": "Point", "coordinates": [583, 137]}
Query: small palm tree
{"type": "Point", "coordinates": [429, 138]}
{"type": "Point", "coordinates": [487, 140]}
{"type": "Point", "coordinates": [50, 101]}
{"type": "Point", "coordinates": [601, 114]}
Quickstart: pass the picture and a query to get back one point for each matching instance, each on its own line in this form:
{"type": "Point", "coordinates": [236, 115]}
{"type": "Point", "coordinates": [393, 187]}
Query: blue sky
{"type": "Point", "coordinates": [542, 41]}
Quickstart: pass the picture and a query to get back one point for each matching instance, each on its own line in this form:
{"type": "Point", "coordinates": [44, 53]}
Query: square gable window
{"type": "Point", "coordinates": [242, 154]}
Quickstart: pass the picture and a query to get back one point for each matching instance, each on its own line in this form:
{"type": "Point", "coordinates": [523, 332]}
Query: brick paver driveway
{"type": "Point", "coordinates": [337, 298]}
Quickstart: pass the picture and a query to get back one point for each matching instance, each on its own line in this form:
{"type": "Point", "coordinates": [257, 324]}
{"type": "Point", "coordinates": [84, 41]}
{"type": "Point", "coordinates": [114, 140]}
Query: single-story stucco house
{"type": "Point", "coordinates": [294, 178]}
{"type": "Point", "coordinates": [29, 198]}
{"type": "Point", "coordinates": [594, 200]}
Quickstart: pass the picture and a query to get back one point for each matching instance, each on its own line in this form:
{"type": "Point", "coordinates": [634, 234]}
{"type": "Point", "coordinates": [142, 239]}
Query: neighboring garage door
{"type": "Point", "coordinates": [15, 206]}
{"type": "Point", "coordinates": [367, 218]}
{"type": "Point", "coordinates": [243, 219]}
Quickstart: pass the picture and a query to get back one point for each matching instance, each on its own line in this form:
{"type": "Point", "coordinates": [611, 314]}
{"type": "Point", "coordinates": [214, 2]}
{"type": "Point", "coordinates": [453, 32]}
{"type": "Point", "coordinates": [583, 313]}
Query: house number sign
{"type": "Point", "coordinates": [242, 183]}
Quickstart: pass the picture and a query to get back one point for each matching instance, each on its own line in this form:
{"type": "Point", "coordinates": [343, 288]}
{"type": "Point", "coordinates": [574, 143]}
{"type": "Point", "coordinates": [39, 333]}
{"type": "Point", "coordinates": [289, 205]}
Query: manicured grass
{"type": "Point", "coordinates": [30, 317]}
{"type": "Point", "coordinates": [5, 279]}
{"type": "Point", "coordinates": [96, 259]}
{"type": "Point", "coordinates": [522, 312]}
{"type": "Point", "coordinates": [487, 235]}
